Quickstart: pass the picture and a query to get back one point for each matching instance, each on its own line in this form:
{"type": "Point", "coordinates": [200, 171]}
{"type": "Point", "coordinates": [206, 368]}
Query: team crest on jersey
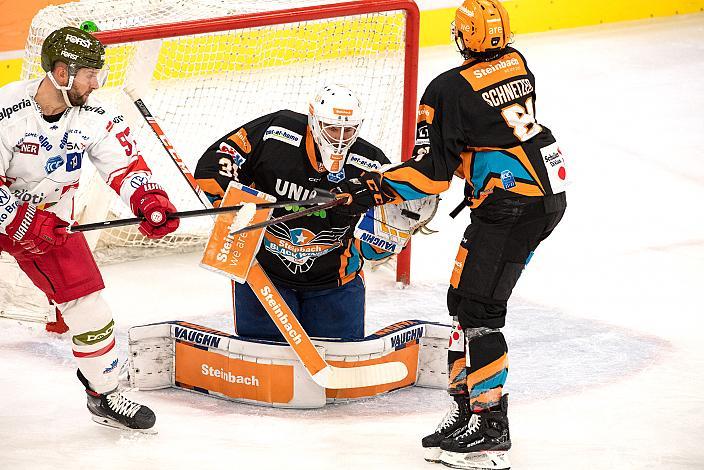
{"type": "Point", "coordinates": [53, 164]}
{"type": "Point", "coordinates": [336, 177]}
{"type": "Point", "coordinates": [298, 248]}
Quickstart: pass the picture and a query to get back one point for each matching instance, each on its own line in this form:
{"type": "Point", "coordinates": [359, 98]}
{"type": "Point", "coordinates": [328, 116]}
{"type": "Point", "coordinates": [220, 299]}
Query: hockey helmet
{"type": "Point", "coordinates": [77, 49]}
{"type": "Point", "coordinates": [74, 47]}
{"type": "Point", "coordinates": [334, 117]}
{"type": "Point", "coordinates": [481, 26]}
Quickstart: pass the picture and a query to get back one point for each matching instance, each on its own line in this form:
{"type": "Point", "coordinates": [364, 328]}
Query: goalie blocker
{"type": "Point", "coordinates": [195, 358]}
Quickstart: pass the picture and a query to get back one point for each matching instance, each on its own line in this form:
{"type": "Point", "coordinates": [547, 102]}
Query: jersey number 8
{"type": "Point", "coordinates": [522, 120]}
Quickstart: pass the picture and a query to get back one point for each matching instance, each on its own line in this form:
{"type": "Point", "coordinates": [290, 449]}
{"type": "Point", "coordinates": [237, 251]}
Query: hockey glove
{"type": "Point", "coordinates": [151, 201]}
{"type": "Point", "coordinates": [37, 230]}
{"type": "Point", "coordinates": [362, 193]}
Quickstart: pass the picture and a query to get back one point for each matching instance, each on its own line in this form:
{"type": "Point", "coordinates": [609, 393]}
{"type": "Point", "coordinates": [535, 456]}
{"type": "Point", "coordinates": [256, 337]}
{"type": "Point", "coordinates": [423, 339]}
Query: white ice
{"type": "Point", "coordinates": [604, 326]}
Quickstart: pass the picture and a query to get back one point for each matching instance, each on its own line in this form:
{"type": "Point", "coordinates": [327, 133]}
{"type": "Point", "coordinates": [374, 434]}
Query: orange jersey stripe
{"type": "Point", "coordinates": [417, 180]}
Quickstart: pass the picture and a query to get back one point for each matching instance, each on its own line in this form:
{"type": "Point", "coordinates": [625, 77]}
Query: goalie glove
{"type": "Point", "coordinates": [389, 227]}
{"type": "Point", "coordinates": [362, 193]}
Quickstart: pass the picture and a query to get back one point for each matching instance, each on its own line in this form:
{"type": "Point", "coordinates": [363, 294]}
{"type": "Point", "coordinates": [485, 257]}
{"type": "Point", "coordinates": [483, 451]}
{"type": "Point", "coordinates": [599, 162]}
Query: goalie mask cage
{"type": "Point", "coordinates": [205, 67]}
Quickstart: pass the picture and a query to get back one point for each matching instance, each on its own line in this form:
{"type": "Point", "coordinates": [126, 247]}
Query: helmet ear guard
{"type": "Point", "coordinates": [481, 27]}
{"type": "Point", "coordinates": [334, 117]}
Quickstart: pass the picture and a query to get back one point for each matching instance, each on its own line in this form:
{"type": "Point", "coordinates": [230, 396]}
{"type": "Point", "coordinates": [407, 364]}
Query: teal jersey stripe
{"type": "Point", "coordinates": [494, 162]}
{"type": "Point", "coordinates": [405, 191]}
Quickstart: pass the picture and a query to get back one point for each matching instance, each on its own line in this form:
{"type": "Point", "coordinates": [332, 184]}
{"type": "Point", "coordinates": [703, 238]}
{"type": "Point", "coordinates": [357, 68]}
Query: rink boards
{"type": "Point", "coordinates": [192, 357]}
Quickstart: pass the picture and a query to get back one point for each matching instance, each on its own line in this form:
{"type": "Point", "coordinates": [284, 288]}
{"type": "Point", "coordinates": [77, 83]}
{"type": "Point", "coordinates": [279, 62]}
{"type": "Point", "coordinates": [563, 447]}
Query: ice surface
{"type": "Point", "coordinates": [604, 326]}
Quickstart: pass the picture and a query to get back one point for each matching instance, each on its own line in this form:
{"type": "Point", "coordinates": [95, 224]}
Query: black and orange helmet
{"type": "Point", "coordinates": [481, 26]}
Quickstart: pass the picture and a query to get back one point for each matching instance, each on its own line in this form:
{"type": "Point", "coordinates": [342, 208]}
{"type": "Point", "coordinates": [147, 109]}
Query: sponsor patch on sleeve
{"type": "Point", "coordinates": [363, 162]}
{"type": "Point", "coordinates": [284, 135]}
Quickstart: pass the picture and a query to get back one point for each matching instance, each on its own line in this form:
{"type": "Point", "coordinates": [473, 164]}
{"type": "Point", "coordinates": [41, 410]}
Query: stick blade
{"type": "Point", "coordinates": [363, 376]}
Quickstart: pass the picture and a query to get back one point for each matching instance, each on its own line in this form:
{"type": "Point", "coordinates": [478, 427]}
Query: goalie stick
{"type": "Point", "coordinates": [317, 202]}
{"type": "Point", "coordinates": [324, 374]}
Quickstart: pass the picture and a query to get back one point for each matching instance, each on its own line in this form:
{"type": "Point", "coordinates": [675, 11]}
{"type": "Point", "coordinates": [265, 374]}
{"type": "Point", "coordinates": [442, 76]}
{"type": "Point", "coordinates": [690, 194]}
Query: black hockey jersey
{"type": "Point", "coordinates": [478, 121]}
{"type": "Point", "coordinates": [276, 154]}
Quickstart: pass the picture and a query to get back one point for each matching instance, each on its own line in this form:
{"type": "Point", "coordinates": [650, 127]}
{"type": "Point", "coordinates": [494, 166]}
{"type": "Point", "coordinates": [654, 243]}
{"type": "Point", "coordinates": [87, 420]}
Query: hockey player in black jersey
{"type": "Point", "coordinates": [314, 261]}
{"type": "Point", "coordinates": [477, 121]}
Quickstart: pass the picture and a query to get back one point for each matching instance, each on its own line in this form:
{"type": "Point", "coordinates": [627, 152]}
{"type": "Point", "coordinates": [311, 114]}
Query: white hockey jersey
{"type": "Point", "coordinates": [40, 162]}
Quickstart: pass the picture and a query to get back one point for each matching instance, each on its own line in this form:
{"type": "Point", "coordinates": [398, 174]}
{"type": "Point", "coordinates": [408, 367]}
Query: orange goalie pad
{"type": "Point", "coordinates": [231, 255]}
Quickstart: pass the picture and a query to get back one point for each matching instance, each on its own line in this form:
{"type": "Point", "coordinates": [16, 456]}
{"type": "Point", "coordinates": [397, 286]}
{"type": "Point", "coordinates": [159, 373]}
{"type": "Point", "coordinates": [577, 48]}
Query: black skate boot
{"type": "Point", "coordinates": [484, 444]}
{"type": "Point", "coordinates": [453, 424]}
{"type": "Point", "coordinates": [115, 410]}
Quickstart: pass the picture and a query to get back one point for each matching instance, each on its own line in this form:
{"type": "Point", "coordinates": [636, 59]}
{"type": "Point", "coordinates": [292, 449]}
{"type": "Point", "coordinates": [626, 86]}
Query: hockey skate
{"type": "Point", "coordinates": [115, 410]}
{"type": "Point", "coordinates": [453, 424]}
{"type": "Point", "coordinates": [485, 443]}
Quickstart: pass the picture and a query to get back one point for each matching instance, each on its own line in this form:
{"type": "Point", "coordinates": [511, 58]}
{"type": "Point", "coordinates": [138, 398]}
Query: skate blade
{"type": "Point", "coordinates": [111, 423]}
{"type": "Point", "coordinates": [496, 460]}
{"type": "Point", "coordinates": [432, 454]}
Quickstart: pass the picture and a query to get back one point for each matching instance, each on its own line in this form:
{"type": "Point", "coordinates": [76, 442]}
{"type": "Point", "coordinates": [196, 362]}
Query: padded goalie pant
{"type": "Point", "coordinates": [496, 247]}
{"type": "Point", "coordinates": [327, 313]}
{"type": "Point", "coordinates": [70, 278]}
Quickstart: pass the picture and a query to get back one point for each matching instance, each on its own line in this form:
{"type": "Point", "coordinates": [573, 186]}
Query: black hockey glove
{"type": "Point", "coordinates": [362, 193]}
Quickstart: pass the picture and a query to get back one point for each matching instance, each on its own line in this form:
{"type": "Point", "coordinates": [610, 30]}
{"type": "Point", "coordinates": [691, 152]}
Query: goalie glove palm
{"type": "Point", "coordinates": [362, 193]}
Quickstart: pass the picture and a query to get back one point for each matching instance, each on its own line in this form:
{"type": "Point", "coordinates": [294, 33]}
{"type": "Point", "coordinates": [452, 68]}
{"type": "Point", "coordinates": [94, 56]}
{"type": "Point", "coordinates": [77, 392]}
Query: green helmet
{"type": "Point", "coordinates": [73, 46]}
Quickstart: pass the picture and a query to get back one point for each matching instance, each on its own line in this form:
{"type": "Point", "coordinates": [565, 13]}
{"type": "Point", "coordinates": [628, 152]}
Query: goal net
{"type": "Point", "coordinates": [204, 67]}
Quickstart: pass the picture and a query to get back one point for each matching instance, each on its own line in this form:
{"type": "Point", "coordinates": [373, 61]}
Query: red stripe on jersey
{"type": "Point", "coordinates": [118, 176]}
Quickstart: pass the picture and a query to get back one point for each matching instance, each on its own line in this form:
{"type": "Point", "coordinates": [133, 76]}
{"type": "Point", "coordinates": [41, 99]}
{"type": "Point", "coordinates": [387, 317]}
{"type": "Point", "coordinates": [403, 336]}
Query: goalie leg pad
{"type": "Point", "coordinates": [203, 360]}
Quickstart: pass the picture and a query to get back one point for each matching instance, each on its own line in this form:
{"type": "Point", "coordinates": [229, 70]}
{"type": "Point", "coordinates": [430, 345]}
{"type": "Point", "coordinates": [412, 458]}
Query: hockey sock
{"type": "Point", "coordinates": [487, 360]}
{"type": "Point", "coordinates": [91, 324]}
{"type": "Point", "coordinates": [457, 362]}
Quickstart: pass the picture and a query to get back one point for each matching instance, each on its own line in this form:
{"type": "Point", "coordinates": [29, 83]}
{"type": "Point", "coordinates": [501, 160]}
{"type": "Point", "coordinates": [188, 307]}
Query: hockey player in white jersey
{"type": "Point", "coordinates": [48, 127]}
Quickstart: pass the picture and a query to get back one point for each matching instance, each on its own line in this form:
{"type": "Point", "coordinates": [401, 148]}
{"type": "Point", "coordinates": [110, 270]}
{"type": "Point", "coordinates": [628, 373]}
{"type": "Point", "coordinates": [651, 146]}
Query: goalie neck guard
{"type": "Point", "coordinates": [334, 117]}
{"type": "Point", "coordinates": [481, 27]}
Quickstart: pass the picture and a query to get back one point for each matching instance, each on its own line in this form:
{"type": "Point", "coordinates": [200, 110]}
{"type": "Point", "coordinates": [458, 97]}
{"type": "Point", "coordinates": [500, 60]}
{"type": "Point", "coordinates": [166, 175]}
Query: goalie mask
{"type": "Point", "coordinates": [334, 117]}
{"type": "Point", "coordinates": [77, 49]}
{"type": "Point", "coordinates": [481, 26]}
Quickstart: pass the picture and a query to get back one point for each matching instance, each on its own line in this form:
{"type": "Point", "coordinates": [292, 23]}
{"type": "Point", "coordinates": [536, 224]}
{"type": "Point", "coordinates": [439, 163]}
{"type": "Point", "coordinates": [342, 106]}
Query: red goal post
{"type": "Point", "coordinates": [199, 64]}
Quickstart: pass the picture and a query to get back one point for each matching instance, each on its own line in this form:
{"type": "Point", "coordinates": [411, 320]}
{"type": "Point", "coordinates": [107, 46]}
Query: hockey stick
{"type": "Point", "coordinates": [292, 216]}
{"type": "Point", "coordinates": [147, 115]}
{"type": "Point", "coordinates": [318, 203]}
{"type": "Point", "coordinates": [321, 372]}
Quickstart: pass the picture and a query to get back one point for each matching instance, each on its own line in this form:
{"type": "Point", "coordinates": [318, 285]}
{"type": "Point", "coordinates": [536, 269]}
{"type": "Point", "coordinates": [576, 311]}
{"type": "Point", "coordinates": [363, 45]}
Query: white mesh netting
{"type": "Point", "coordinates": [201, 86]}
